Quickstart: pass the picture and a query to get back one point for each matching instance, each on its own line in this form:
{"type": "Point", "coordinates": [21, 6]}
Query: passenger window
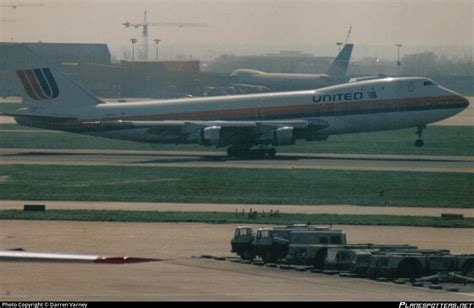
{"type": "Point", "coordinates": [323, 240]}
{"type": "Point", "coordinates": [335, 239]}
{"type": "Point", "coordinates": [428, 83]}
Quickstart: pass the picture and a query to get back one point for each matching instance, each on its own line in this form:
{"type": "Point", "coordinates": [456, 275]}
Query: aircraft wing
{"type": "Point", "coordinates": [212, 132]}
{"type": "Point", "coordinates": [223, 124]}
{"type": "Point", "coordinates": [226, 124]}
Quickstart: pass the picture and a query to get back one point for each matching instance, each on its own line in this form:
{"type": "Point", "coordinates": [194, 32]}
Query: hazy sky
{"type": "Point", "coordinates": [249, 27]}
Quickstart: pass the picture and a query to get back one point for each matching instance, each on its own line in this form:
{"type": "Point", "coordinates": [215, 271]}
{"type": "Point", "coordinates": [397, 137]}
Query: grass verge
{"type": "Point", "coordinates": [240, 186]}
{"type": "Point", "coordinates": [233, 218]}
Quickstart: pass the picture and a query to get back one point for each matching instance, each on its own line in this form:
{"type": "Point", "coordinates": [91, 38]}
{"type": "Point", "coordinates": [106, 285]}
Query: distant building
{"type": "Point", "coordinates": [59, 53]}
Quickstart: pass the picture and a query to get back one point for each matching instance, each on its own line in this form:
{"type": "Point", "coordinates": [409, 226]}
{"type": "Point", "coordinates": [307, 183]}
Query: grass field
{"type": "Point", "coordinates": [222, 217]}
{"type": "Point", "coordinates": [439, 140]}
{"type": "Point", "coordinates": [241, 186]}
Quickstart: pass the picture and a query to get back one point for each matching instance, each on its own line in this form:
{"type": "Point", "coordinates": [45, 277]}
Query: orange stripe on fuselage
{"type": "Point", "coordinates": [290, 111]}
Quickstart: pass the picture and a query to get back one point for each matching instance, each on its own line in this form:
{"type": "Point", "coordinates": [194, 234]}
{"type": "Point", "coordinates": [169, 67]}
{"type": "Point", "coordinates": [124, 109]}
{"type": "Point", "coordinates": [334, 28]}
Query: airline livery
{"type": "Point", "coordinates": [248, 125]}
{"type": "Point", "coordinates": [247, 79]}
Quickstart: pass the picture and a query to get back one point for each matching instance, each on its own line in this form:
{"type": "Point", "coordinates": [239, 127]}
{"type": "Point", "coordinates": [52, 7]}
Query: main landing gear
{"type": "Point", "coordinates": [244, 152]}
{"type": "Point", "coordinates": [419, 142]}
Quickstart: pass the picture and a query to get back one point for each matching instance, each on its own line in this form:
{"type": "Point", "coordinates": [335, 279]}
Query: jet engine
{"type": "Point", "coordinates": [283, 136]}
{"type": "Point", "coordinates": [210, 135]}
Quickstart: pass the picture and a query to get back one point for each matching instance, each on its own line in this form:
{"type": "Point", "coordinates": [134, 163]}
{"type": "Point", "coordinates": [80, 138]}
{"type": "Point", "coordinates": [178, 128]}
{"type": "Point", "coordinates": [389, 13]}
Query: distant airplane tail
{"type": "Point", "coordinates": [339, 67]}
{"type": "Point", "coordinates": [43, 88]}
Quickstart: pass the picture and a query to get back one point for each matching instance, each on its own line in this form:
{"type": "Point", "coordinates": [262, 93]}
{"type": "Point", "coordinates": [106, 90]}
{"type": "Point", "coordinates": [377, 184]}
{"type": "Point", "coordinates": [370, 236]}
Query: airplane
{"type": "Point", "coordinates": [290, 82]}
{"type": "Point", "coordinates": [248, 125]}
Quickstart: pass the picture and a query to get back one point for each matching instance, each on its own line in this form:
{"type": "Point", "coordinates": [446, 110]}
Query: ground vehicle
{"type": "Point", "coordinates": [241, 244]}
{"type": "Point", "coordinates": [411, 264]}
{"type": "Point", "coordinates": [357, 257]}
{"type": "Point", "coordinates": [310, 247]}
{"type": "Point", "coordinates": [271, 244]}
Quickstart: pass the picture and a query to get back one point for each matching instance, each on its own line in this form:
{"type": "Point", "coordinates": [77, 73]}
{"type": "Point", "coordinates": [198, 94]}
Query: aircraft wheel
{"type": "Point", "coordinates": [232, 151]}
{"type": "Point", "coordinates": [271, 153]}
{"type": "Point", "coordinates": [419, 143]}
{"type": "Point", "coordinates": [258, 153]}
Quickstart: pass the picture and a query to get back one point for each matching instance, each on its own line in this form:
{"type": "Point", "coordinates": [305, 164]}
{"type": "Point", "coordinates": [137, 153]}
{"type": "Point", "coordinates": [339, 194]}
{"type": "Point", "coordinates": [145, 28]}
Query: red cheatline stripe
{"type": "Point", "coordinates": [34, 83]}
{"type": "Point", "coordinates": [124, 260]}
{"type": "Point", "coordinates": [26, 85]}
{"type": "Point", "coordinates": [290, 110]}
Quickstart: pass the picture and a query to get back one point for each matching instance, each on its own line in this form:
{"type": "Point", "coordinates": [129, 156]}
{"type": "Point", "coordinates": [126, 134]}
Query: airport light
{"type": "Point", "coordinates": [398, 58]}
{"type": "Point", "coordinates": [133, 40]}
{"type": "Point", "coordinates": [339, 44]}
{"type": "Point", "coordinates": [157, 41]}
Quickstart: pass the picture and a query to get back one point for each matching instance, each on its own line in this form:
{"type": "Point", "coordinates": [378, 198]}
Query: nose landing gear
{"type": "Point", "coordinates": [419, 142]}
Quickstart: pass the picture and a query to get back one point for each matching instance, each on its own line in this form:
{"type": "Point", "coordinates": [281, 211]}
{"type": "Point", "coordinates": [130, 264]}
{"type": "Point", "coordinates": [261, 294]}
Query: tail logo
{"type": "Point", "coordinates": [39, 83]}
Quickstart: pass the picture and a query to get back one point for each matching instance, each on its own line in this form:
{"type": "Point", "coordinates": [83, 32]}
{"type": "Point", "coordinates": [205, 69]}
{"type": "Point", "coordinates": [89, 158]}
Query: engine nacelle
{"type": "Point", "coordinates": [210, 135]}
{"type": "Point", "coordinates": [283, 136]}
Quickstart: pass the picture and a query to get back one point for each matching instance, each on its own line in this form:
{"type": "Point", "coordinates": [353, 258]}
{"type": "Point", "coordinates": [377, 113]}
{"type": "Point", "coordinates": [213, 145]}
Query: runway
{"type": "Point", "coordinates": [193, 159]}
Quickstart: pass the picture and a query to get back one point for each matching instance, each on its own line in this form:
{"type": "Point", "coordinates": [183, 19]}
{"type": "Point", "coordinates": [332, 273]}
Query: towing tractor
{"type": "Point", "coordinates": [271, 244]}
{"type": "Point", "coordinates": [241, 244]}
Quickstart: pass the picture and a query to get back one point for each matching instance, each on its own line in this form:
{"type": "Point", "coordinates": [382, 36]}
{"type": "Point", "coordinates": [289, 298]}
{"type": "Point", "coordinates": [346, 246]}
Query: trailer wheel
{"type": "Point", "coordinates": [247, 255]}
{"type": "Point", "coordinates": [269, 257]}
{"type": "Point", "coordinates": [410, 268]}
{"type": "Point", "coordinates": [320, 259]}
{"type": "Point", "coordinates": [468, 269]}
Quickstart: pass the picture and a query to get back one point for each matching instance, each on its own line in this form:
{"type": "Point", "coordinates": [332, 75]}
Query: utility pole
{"type": "Point", "coordinates": [133, 40]}
{"type": "Point", "coordinates": [399, 63]}
{"type": "Point", "coordinates": [157, 41]}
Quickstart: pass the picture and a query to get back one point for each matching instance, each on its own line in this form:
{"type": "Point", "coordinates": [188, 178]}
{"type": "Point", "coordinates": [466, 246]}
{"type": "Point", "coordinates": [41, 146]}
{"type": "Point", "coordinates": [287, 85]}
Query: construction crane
{"type": "Point", "coordinates": [347, 39]}
{"type": "Point", "coordinates": [348, 35]}
{"type": "Point", "coordinates": [147, 24]}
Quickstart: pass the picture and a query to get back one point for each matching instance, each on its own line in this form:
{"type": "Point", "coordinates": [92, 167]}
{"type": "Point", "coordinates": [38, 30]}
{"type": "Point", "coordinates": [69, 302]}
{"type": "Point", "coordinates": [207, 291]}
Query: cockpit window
{"type": "Point", "coordinates": [428, 83]}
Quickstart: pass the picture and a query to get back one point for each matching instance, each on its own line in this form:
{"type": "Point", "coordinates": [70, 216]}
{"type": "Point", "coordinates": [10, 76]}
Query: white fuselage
{"type": "Point", "coordinates": [363, 106]}
{"type": "Point", "coordinates": [375, 105]}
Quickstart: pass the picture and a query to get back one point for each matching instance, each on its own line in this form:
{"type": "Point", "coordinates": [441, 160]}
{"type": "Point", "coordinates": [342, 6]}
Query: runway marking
{"type": "Point", "coordinates": [194, 159]}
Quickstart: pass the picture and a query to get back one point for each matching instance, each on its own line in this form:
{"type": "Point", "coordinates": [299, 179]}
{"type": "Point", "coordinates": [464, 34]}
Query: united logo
{"type": "Point", "coordinates": [39, 83]}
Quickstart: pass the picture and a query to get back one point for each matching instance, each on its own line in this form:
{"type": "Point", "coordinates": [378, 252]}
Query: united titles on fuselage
{"type": "Point", "coordinates": [351, 96]}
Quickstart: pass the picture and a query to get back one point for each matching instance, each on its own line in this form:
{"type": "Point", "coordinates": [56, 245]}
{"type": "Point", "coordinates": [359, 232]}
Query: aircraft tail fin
{"type": "Point", "coordinates": [41, 86]}
{"type": "Point", "coordinates": [339, 67]}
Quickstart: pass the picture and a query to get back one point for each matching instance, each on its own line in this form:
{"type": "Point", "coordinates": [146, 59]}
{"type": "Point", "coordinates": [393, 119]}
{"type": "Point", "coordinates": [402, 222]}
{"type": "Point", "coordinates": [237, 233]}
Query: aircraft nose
{"type": "Point", "coordinates": [462, 101]}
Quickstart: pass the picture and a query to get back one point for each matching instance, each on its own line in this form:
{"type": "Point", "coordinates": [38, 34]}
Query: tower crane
{"type": "Point", "coordinates": [147, 24]}
{"type": "Point", "coordinates": [348, 35]}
